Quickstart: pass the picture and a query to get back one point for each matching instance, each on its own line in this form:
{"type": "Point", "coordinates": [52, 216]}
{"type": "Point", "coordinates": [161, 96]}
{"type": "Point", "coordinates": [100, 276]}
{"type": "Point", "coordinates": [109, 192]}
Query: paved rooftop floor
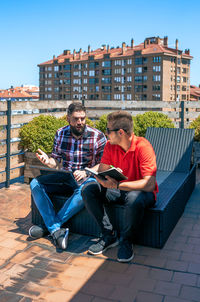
{"type": "Point", "coordinates": [32, 270]}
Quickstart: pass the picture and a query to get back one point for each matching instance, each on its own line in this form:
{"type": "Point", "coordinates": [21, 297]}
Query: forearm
{"type": "Point", "coordinates": [145, 184]}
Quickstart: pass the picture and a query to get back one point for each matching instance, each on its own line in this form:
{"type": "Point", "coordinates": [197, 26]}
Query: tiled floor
{"type": "Point", "coordinates": [35, 271]}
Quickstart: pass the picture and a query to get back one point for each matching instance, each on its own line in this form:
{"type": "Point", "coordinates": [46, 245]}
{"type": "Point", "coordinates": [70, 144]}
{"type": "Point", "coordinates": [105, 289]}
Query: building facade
{"type": "Point", "coordinates": [148, 71]}
{"type": "Point", "coordinates": [194, 93]}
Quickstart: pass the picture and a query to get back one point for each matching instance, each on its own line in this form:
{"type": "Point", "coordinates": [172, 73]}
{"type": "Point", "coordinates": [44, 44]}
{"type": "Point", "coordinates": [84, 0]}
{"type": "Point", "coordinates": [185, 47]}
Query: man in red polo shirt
{"type": "Point", "coordinates": [136, 158]}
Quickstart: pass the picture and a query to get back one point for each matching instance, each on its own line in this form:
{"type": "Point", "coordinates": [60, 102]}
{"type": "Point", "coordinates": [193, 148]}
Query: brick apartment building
{"type": "Point", "coordinates": [149, 71]}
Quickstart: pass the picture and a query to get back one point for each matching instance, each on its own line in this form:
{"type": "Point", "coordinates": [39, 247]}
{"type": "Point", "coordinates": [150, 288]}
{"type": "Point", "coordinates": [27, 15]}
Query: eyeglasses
{"type": "Point", "coordinates": [110, 130]}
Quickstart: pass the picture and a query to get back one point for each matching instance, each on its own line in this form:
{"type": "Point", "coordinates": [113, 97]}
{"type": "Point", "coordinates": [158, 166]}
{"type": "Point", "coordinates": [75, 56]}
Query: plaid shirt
{"type": "Point", "coordinates": [78, 154]}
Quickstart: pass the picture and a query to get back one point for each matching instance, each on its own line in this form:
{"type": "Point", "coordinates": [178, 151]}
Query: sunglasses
{"type": "Point", "coordinates": [110, 130]}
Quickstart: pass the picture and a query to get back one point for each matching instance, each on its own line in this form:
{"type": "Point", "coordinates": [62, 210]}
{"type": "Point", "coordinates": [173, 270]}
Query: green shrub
{"type": "Point", "coordinates": [101, 124]}
{"type": "Point", "coordinates": [40, 133]}
{"type": "Point", "coordinates": [150, 119]}
{"type": "Point", "coordinates": [196, 125]}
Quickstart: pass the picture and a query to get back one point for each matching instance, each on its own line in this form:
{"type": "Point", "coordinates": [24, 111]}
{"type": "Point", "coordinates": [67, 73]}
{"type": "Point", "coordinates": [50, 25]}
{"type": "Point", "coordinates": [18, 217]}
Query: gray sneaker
{"type": "Point", "coordinates": [37, 231]}
{"type": "Point", "coordinates": [104, 243]}
{"type": "Point", "coordinates": [60, 238]}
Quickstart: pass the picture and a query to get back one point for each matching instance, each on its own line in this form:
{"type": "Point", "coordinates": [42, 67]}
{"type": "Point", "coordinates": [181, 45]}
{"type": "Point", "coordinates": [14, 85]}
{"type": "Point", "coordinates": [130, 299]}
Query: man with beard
{"type": "Point", "coordinates": [78, 146]}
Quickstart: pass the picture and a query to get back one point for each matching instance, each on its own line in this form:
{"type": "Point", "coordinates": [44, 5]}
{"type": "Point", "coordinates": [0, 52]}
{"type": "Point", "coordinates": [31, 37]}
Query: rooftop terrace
{"type": "Point", "coordinates": [35, 271]}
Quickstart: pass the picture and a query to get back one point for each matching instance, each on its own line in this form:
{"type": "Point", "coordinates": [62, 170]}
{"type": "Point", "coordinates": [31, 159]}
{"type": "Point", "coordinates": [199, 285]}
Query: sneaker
{"type": "Point", "coordinates": [60, 238]}
{"type": "Point", "coordinates": [104, 243]}
{"type": "Point", "coordinates": [125, 252]}
{"type": "Point", "coordinates": [37, 231]}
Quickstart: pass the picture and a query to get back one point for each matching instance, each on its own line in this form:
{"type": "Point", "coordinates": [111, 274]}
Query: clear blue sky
{"type": "Point", "coordinates": [32, 32]}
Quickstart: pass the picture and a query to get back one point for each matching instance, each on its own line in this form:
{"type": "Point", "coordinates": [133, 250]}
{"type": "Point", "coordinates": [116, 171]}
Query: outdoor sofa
{"type": "Point", "coordinates": [176, 178]}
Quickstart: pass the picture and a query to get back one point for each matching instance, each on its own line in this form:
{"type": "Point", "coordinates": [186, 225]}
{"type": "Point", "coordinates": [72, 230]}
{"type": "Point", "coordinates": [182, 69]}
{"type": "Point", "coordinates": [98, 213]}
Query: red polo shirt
{"type": "Point", "coordinates": [137, 162]}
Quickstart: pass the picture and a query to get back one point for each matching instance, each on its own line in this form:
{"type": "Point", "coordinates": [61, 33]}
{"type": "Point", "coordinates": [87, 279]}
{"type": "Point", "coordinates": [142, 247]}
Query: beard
{"type": "Point", "coordinates": [77, 131]}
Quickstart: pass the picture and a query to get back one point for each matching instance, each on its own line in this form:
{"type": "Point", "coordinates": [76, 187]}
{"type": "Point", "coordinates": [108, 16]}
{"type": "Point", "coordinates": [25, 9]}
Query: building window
{"type": "Point", "coordinates": [77, 81]}
{"type": "Point", "coordinates": [106, 80]}
{"type": "Point", "coordinates": [138, 79]}
{"type": "Point", "coordinates": [117, 79]}
{"type": "Point", "coordinates": [129, 70]}
{"type": "Point", "coordinates": [129, 79]}
{"type": "Point", "coordinates": [117, 88]}
{"type": "Point", "coordinates": [117, 96]}
{"type": "Point", "coordinates": [118, 71]}
{"type": "Point", "coordinates": [106, 71]}
{"type": "Point", "coordinates": [77, 73]}
{"type": "Point", "coordinates": [91, 73]}
{"type": "Point", "coordinates": [138, 88]}
{"type": "Point", "coordinates": [157, 87]}
{"type": "Point", "coordinates": [156, 97]}
{"type": "Point", "coordinates": [156, 78]}
{"type": "Point", "coordinates": [84, 81]}
{"type": "Point", "coordinates": [56, 68]}
{"type": "Point", "coordinates": [178, 79]}
{"type": "Point", "coordinates": [85, 72]}
{"type": "Point", "coordinates": [156, 59]}
{"type": "Point", "coordinates": [106, 88]}
{"type": "Point", "coordinates": [67, 67]}
{"type": "Point", "coordinates": [67, 74]}
{"type": "Point", "coordinates": [106, 63]}
{"type": "Point", "coordinates": [117, 62]}
{"type": "Point", "coordinates": [129, 97]}
{"type": "Point", "coordinates": [129, 61]}
{"type": "Point", "coordinates": [66, 82]}
{"type": "Point", "coordinates": [138, 70]}
{"type": "Point", "coordinates": [138, 61]}
{"type": "Point", "coordinates": [106, 97]}
{"type": "Point", "coordinates": [156, 68]}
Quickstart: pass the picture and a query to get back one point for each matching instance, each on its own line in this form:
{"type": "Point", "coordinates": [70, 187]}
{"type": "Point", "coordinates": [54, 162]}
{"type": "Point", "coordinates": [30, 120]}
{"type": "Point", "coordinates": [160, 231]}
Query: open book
{"type": "Point", "coordinates": [112, 172]}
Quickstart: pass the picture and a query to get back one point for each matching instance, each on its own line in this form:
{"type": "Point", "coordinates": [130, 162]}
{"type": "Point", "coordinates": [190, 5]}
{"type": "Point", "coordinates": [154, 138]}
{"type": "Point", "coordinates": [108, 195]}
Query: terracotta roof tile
{"type": "Point", "coordinates": [117, 52]}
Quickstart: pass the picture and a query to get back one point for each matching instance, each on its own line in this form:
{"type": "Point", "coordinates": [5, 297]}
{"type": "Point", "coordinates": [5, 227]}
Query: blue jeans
{"type": "Point", "coordinates": [58, 183]}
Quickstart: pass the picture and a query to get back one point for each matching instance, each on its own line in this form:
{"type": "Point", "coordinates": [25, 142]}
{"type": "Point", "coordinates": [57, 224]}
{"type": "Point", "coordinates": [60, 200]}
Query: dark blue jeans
{"type": "Point", "coordinates": [134, 203]}
{"type": "Point", "coordinates": [62, 184]}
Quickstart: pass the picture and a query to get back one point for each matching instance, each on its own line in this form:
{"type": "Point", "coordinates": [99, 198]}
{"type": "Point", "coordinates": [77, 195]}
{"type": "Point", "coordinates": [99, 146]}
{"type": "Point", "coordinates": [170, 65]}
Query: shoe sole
{"type": "Point", "coordinates": [98, 253]}
{"type": "Point", "coordinates": [65, 240]}
{"type": "Point", "coordinates": [126, 260]}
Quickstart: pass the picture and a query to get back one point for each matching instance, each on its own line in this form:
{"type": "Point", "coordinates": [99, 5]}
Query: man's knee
{"type": "Point", "coordinates": [90, 188]}
{"type": "Point", "coordinates": [135, 199]}
{"type": "Point", "coordinates": [34, 183]}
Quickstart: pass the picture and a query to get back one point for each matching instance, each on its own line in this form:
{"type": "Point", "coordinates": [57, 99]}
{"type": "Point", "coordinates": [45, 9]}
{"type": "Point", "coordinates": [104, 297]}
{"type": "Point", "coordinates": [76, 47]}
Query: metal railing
{"type": "Point", "coordinates": [12, 117]}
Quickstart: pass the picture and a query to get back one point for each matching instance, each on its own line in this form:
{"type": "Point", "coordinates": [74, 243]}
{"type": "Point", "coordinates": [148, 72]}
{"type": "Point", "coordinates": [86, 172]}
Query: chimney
{"type": "Point", "coordinates": [132, 43]}
{"type": "Point", "coordinates": [80, 53]}
{"type": "Point", "coordinates": [89, 49]}
{"type": "Point", "coordinates": [103, 47]}
{"type": "Point", "coordinates": [145, 43]}
{"type": "Point", "coordinates": [165, 41]}
{"type": "Point", "coordinates": [176, 43]}
{"type": "Point", "coordinates": [66, 52]}
{"type": "Point", "coordinates": [74, 54]}
{"type": "Point", "coordinates": [54, 57]}
{"type": "Point", "coordinates": [187, 51]}
{"type": "Point", "coordinates": [108, 48]}
{"type": "Point", "coordinates": [123, 48]}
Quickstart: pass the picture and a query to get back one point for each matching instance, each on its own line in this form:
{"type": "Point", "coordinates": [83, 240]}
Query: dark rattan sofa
{"type": "Point", "coordinates": [176, 180]}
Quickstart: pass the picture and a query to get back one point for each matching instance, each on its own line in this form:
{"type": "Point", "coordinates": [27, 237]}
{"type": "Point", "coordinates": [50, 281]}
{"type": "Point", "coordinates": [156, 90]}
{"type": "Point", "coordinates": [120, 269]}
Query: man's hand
{"type": "Point", "coordinates": [109, 183]}
{"type": "Point", "coordinates": [79, 174]}
{"type": "Point", "coordinates": [43, 157]}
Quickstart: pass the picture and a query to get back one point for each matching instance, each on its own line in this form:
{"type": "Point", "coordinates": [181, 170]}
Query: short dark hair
{"type": "Point", "coordinates": [121, 120]}
{"type": "Point", "coordinates": [74, 107]}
